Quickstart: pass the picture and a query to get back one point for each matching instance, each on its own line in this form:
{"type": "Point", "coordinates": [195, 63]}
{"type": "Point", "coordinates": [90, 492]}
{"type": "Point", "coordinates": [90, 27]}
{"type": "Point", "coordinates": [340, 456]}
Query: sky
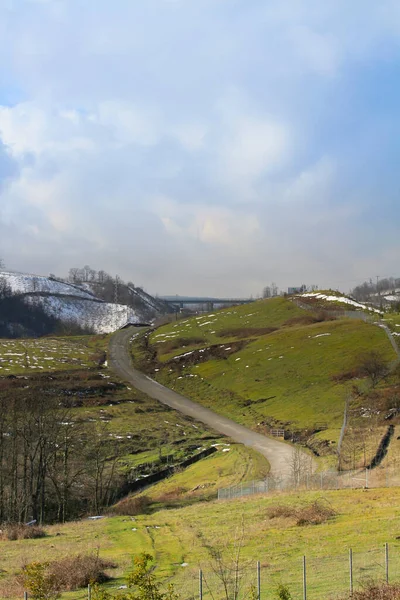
{"type": "Point", "coordinates": [201, 146]}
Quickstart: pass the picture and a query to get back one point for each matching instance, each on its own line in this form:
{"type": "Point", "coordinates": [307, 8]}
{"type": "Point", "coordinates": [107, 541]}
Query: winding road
{"type": "Point", "coordinates": [278, 454]}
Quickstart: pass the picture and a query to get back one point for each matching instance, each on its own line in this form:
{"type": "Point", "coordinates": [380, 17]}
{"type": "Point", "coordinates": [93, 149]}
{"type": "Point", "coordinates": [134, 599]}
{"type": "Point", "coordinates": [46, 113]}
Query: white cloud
{"type": "Point", "coordinates": [185, 140]}
{"type": "Point", "coordinates": [252, 147]}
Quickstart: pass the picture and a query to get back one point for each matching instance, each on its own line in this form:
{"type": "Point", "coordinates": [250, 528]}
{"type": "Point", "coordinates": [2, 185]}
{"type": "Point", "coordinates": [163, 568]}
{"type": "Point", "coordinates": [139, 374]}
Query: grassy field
{"type": "Point", "coordinates": [148, 434]}
{"type": "Point", "coordinates": [180, 540]}
{"type": "Point", "coordinates": [50, 353]}
{"type": "Point", "coordinates": [265, 364]}
{"type": "Point", "coordinates": [231, 465]}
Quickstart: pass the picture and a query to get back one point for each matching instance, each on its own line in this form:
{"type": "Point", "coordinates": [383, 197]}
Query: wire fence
{"type": "Point", "coordinates": [306, 578]}
{"type": "Point", "coordinates": [388, 476]}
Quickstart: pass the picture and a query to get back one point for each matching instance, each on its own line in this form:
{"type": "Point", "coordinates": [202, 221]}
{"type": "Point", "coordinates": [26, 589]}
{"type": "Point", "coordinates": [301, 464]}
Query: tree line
{"type": "Point", "coordinates": [53, 467]}
{"type": "Point", "coordinates": [370, 289]}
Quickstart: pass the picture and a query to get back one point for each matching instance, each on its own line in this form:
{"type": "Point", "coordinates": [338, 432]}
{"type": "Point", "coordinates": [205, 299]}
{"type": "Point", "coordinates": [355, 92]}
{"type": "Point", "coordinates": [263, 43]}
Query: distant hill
{"type": "Point", "coordinates": [282, 363]}
{"type": "Point", "coordinates": [83, 306]}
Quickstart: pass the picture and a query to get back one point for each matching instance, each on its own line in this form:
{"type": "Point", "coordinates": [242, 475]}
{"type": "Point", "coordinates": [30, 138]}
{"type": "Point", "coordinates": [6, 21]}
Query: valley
{"type": "Point", "coordinates": [268, 365]}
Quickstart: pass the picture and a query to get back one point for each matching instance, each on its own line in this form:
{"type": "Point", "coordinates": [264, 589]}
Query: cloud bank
{"type": "Point", "coordinates": [201, 147]}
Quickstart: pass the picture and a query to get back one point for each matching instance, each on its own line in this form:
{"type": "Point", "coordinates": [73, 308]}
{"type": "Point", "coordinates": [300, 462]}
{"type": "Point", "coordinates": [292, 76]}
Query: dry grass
{"type": "Point", "coordinates": [73, 573]}
{"type": "Point", "coordinates": [19, 531]}
{"type": "Point", "coordinates": [132, 506]}
{"type": "Point", "coordinates": [315, 513]}
{"type": "Point", "coordinates": [376, 591]}
{"type": "Point", "coordinates": [318, 317]}
{"type": "Point", "coordinates": [172, 495]}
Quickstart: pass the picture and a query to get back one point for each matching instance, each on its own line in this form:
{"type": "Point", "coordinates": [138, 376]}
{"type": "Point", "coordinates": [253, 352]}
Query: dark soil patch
{"type": "Point", "coordinates": [246, 332]}
{"type": "Point", "coordinates": [219, 351]}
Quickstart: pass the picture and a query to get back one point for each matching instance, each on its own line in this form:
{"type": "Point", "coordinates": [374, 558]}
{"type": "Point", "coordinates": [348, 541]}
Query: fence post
{"type": "Point", "coordinates": [304, 579]}
{"type": "Point", "coordinates": [351, 570]}
{"type": "Point", "coordinates": [201, 584]}
{"type": "Point", "coordinates": [387, 562]}
{"type": "Point", "coordinates": [89, 592]}
{"type": "Point", "coordinates": [366, 478]}
{"type": "Point", "coordinates": [25, 595]}
{"type": "Point", "coordinates": [258, 580]}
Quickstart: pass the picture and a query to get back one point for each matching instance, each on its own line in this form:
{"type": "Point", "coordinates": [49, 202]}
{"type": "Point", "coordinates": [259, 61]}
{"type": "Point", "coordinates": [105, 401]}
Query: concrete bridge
{"type": "Point", "coordinates": [180, 302]}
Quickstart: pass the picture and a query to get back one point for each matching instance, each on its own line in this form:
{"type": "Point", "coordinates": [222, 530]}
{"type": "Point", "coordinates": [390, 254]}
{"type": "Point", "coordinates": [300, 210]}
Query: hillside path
{"type": "Point", "coordinates": [278, 454]}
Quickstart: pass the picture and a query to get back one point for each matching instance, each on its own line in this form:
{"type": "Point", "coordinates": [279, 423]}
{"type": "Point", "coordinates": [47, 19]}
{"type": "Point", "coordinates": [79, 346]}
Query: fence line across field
{"type": "Point", "coordinates": [307, 578]}
{"type": "Point", "coordinates": [326, 480]}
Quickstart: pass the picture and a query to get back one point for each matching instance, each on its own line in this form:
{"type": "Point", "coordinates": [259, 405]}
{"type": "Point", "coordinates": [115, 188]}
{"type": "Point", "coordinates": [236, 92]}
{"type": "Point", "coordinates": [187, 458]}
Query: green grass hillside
{"type": "Point", "coordinates": [273, 533]}
{"type": "Point", "coordinates": [265, 364]}
{"type": "Point", "coordinates": [146, 435]}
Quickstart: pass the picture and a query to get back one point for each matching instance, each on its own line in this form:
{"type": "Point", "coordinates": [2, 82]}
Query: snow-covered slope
{"type": "Point", "coordinates": [338, 299]}
{"type": "Point", "coordinates": [23, 283]}
{"type": "Point", "coordinates": [70, 303]}
{"type": "Point", "coordinates": [100, 317]}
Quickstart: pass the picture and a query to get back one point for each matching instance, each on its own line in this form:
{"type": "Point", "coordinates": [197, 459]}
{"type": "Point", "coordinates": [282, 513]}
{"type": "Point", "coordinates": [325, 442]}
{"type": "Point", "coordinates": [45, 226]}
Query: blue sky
{"type": "Point", "coordinates": [201, 146]}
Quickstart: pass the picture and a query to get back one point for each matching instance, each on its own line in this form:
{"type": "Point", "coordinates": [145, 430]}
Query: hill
{"type": "Point", "coordinates": [273, 364]}
{"type": "Point", "coordinates": [76, 305]}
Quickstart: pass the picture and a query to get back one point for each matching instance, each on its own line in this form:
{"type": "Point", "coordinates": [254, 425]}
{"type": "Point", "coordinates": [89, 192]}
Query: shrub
{"type": "Point", "coordinates": [45, 581]}
{"type": "Point", "coordinates": [376, 591]}
{"type": "Point", "coordinates": [132, 506]}
{"type": "Point", "coordinates": [19, 531]}
{"type": "Point", "coordinates": [72, 573]}
{"type": "Point", "coordinates": [280, 511]}
{"type": "Point", "coordinates": [314, 514]}
{"type": "Point", "coordinates": [311, 514]}
{"type": "Point", "coordinates": [283, 592]}
{"type": "Point", "coordinates": [40, 584]}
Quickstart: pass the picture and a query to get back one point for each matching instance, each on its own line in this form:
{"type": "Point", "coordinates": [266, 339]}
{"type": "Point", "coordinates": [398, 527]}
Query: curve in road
{"type": "Point", "coordinates": [277, 453]}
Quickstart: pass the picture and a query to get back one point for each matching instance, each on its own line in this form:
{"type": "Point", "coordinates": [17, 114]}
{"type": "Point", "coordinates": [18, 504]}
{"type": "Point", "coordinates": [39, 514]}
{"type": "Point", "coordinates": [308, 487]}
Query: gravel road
{"type": "Point", "coordinates": [278, 453]}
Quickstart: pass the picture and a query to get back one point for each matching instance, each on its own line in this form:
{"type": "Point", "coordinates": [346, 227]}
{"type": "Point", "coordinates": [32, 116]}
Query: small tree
{"type": "Point", "coordinates": [373, 365]}
{"type": "Point", "coordinates": [40, 584]}
{"type": "Point", "coordinates": [283, 592]}
{"type": "Point", "coordinates": [143, 581]}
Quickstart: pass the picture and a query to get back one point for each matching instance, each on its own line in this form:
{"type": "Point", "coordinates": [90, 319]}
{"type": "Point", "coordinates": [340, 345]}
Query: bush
{"type": "Point", "coordinates": [72, 573]}
{"type": "Point", "coordinates": [376, 591]}
{"type": "Point", "coordinates": [132, 506]}
{"type": "Point", "coordinates": [19, 531]}
{"type": "Point", "coordinates": [283, 592]}
{"type": "Point", "coordinates": [280, 511]}
{"type": "Point", "coordinates": [40, 584]}
{"type": "Point", "coordinates": [312, 514]}
{"type": "Point", "coordinates": [45, 581]}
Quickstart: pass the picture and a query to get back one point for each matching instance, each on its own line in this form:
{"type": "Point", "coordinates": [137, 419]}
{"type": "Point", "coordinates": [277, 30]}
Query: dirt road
{"type": "Point", "coordinates": [278, 454]}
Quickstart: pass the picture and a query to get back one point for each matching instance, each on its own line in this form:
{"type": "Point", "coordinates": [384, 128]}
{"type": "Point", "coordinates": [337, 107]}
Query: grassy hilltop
{"type": "Point", "coordinates": [266, 364]}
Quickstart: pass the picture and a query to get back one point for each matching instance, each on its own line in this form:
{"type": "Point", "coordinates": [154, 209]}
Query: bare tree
{"type": "Point", "coordinates": [373, 365]}
{"type": "Point", "coordinates": [301, 466]}
{"type": "Point", "coordinates": [228, 567]}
